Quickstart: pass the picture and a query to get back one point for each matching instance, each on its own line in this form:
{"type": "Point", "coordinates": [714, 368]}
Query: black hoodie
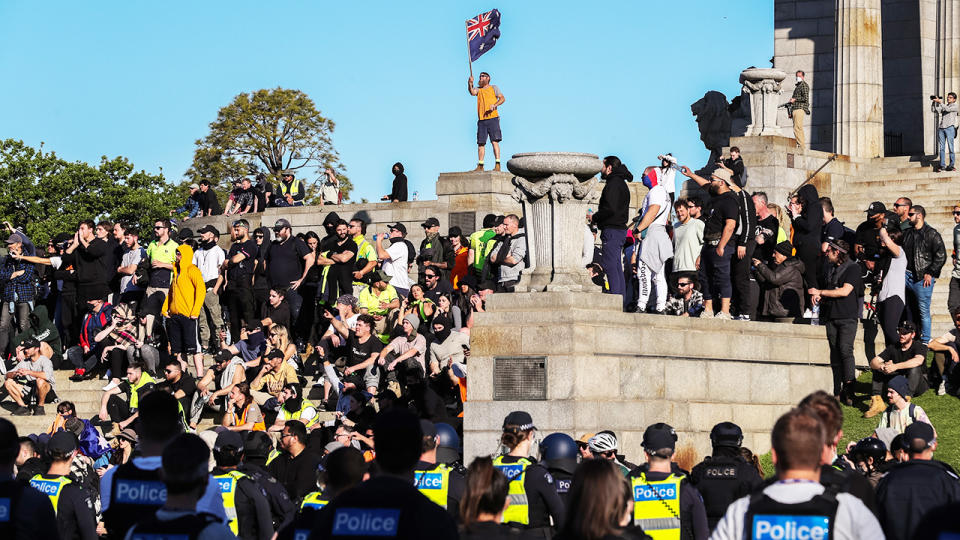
{"type": "Point", "coordinates": [399, 190]}
{"type": "Point", "coordinates": [614, 210]}
{"type": "Point", "coordinates": [330, 228]}
{"type": "Point", "coordinates": [807, 226]}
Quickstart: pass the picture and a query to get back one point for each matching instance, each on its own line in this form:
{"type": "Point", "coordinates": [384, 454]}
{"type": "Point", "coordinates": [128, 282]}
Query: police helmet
{"type": "Point", "coordinates": [869, 447]}
{"type": "Point", "coordinates": [726, 434]}
{"type": "Point", "coordinates": [559, 451]}
{"type": "Point", "coordinates": [448, 443]}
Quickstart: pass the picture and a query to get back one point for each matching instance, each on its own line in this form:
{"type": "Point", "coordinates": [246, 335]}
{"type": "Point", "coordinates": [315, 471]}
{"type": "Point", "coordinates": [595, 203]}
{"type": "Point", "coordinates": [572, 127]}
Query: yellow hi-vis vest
{"type": "Point", "coordinates": [656, 506]}
{"type": "Point", "coordinates": [51, 487]}
{"type": "Point", "coordinates": [274, 454]}
{"type": "Point", "coordinates": [434, 483]}
{"type": "Point", "coordinates": [516, 473]}
{"type": "Point", "coordinates": [228, 492]}
{"type": "Point", "coordinates": [314, 500]}
{"type": "Point", "coordinates": [296, 415]}
{"type": "Point", "coordinates": [293, 189]}
{"type": "Point", "coordinates": [366, 252]}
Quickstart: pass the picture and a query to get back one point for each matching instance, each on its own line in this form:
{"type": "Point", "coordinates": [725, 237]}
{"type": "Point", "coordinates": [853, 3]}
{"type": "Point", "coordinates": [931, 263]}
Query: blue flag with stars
{"type": "Point", "coordinates": [483, 31]}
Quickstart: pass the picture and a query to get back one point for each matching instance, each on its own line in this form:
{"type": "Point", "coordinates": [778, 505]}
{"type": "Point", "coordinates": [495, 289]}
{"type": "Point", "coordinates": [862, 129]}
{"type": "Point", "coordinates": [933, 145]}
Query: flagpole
{"type": "Point", "coordinates": [469, 59]}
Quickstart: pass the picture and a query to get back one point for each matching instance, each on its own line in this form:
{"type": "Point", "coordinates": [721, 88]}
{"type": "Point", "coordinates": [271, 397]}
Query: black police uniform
{"type": "Point", "coordinates": [543, 499]}
{"type": "Point", "coordinates": [918, 485]}
{"type": "Point", "coordinates": [456, 489]}
{"type": "Point", "coordinates": [25, 513]}
{"type": "Point", "coordinates": [384, 506]}
{"type": "Point", "coordinates": [722, 480]}
{"type": "Point", "coordinates": [188, 525]}
{"type": "Point", "coordinates": [282, 508]}
{"type": "Point", "coordinates": [562, 479]}
{"type": "Point", "coordinates": [766, 515]}
{"type": "Point", "coordinates": [135, 495]}
{"type": "Point", "coordinates": [849, 481]}
{"type": "Point", "coordinates": [487, 530]}
{"type": "Point", "coordinates": [253, 511]}
{"type": "Point", "coordinates": [76, 517]}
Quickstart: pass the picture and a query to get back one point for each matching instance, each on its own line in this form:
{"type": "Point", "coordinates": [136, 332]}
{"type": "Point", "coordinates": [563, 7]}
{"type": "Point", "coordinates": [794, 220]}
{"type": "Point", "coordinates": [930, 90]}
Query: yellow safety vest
{"type": "Point", "coordinates": [293, 190]}
{"type": "Point", "coordinates": [314, 500]}
{"type": "Point", "coordinates": [272, 456]}
{"type": "Point", "coordinates": [434, 483]}
{"type": "Point", "coordinates": [296, 415]}
{"type": "Point", "coordinates": [228, 492]}
{"type": "Point", "coordinates": [134, 397]}
{"type": "Point", "coordinates": [364, 251]}
{"type": "Point", "coordinates": [516, 473]}
{"type": "Point", "coordinates": [656, 506]}
{"type": "Point", "coordinates": [51, 487]}
{"type": "Point", "coordinates": [481, 247]}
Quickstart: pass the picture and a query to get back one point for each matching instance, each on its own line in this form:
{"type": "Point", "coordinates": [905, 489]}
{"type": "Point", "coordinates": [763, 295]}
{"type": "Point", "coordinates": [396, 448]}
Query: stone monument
{"type": "Point", "coordinates": [764, 87]}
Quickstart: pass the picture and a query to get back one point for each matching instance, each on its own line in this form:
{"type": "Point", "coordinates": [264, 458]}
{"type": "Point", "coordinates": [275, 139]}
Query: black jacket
{"type": "Point", "coordinates": [808, 225]}
{"type": "Point", "coordinates": [910, 490]}
{"type": "Point", "coordinates": [925, 250]}
{"type": "Point", "coordinates": [745, 232]}
{"type": "Point", "coordinates": [783, 288]}
{"type": "Point", "coordinates": [614, 209]}
{"type": "Point", "coordinates": [399, 190]}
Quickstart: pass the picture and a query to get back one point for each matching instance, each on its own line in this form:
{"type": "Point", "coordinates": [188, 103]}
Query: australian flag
{"type": "Point", "coordinates": [483, 31]}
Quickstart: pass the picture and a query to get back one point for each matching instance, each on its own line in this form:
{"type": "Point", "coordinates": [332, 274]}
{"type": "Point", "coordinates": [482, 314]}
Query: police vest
{"type": "Point", "coordinates": [304, 404]}
{"type": "Point", "coordinates": [51, 487]}
{"type": "Point", "coordinates": [516, 473]}
{"type": "Point", "coordinates": [656, 506]}
{"type": "Point", "coordinates": [314, 500]}
{"type": "Point", "coordinates": [10, 493]}
{"type": "Point", "coordinates": [434, 483]}
{"type": "Point", "coordinates": [293, 189]}
{"type": "Point", "coordinates": [135, 495]}
{"type": "Point", "coordinates": [272, 456]}
{"type": "Point", "coordinates": [182, 528]}
{"type": "Point", "coordinates": [718, 480]}
{"type": "Point", "coordinates": [227, 483]}
{"type": "Point", "coordinates": [768, 519]}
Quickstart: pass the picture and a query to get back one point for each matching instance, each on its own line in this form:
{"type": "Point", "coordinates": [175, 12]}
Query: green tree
{"type": "Point", "coordinates": [47, 195]}
{"type": "Point", "coordinates": [268, 131]}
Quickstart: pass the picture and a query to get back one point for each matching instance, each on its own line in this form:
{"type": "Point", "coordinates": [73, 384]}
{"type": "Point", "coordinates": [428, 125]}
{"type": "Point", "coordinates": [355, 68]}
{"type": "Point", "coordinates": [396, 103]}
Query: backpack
{"type": "Point", "coordinates": [411, 252]}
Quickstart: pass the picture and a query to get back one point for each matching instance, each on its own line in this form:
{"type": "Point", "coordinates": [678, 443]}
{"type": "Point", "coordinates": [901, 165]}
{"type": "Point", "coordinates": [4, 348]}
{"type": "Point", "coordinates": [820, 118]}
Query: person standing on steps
{"type": "Point", "coordinates": [800, 107]}
{"type": "Point", "coordinates": [946, 129]}
{"type": "Point", "coordinates": [489, 98]}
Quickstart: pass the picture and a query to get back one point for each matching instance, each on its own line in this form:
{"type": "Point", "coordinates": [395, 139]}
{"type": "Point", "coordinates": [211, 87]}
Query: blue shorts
{"type": "Point", "coordinates": [491, 127]}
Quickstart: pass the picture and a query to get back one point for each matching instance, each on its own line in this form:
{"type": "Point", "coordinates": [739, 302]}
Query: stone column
{"type": "Point", "coordinates": [554, 188]}
{"type": "Point", "coordinates": [948, 54]}
{"type": "Point", "coordinates": [764, 87]}
{"type": "Point", "coordinates": [858, 79]}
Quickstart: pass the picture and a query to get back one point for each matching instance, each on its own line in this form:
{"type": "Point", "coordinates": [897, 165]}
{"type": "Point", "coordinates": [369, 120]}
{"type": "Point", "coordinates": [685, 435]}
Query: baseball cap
{"type": "Point", "coordinates": [726, 434]}
{"type": "Point", "coordinates": [30, 343]}
{"type": "Point", "coordinates": [280, 225]}
{"type": "Point", "coordinates": [428, 428]}
{"type": "Point", "coordinates": [585, 439]}
{"type": "Point", "coordinates": [208, 229]}
{"type": "Point", "coordinates": [522, 419]}
{"type": "Point", "coordinates": [194, 186]}
{"type": "Point", "coordinates": [185, 234]}
{"type": "Point", "coordinates": [430, 222]}
{"type": "Point", "coordinates": [906, 327]}
{"type": "Point", "coordinates": [917, 430]}
{"type": "Point", "coordinates": [398, 227]}
{"type": "Point", "coordinates": [379, 275]}
{"type": "Point", "coordinates": [62, 442]}
{"type": "Point", "coordinates": [876, 207]}
{"type": "Point", "coordinates": [223, 356]}
{"type": "Point", "coordinates": [228, 438]}
{"type": "Point", "coordinates": [14, 238]}
{"type": "Point", "coordinates": [287, 172]}
{"type": "Point", "coordinates": [242, 223]}
{"type": "Point", "coordinates": [659, 436]}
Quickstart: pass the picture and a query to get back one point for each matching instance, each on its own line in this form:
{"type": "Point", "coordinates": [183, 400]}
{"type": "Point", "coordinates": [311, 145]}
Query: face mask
{"type": "Point", "coordinates": [799, 79]}
{"type": "Point", "coordinates": [603, 175]}
{"type": "Point", "coordinates": [648, 182]}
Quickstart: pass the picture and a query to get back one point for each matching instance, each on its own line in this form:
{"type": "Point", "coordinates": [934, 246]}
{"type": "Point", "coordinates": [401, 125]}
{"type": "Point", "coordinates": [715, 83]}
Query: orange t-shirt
{"type": "Point", "coordinates": [459, 267]}
{"type": "Point", "coordinates": [486, 98]}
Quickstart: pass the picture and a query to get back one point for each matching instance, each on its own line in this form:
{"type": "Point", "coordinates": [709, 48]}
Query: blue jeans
{"type": "Point", "coordinates": [714, 273]}
{"type": "Point", "coordinates": [611, 258]}
{"type": "Point", "coordinates": [945, 137]}
{"type": "Point", "coordinates": [922, 296]}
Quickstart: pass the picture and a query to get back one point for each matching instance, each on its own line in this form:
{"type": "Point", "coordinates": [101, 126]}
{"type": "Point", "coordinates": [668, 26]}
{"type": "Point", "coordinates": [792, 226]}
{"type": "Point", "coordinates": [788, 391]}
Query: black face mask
{"type": "Point", "coordinates": [603, 175]}
{"type": "Point", "coordinates": [207, 244]}
{"type": "Point", "coordinates": [443, 334]}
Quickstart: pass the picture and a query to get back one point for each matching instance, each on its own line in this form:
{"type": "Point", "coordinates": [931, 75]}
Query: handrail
{"type": "Point", "coordinates": [815, 173]}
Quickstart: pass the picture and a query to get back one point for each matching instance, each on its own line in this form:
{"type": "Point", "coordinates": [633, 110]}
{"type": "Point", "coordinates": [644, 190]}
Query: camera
{"type": "Point", "coordinates": [936, 97]}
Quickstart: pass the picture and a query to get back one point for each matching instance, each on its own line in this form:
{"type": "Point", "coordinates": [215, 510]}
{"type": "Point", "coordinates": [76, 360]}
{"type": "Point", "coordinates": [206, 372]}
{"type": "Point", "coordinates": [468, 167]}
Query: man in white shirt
{"type": "Point", "coordinates": [33, 369]}
{"type": "Point", "coordinates": [797, 505]}
{"type": "Point", "coordinates": [656, 247]}
{"type": "Point", "coordinates": [395, 259]}
{"type": "Point", "coordinates": [209, 257]}
{"type": "Point", "coordinates": [130, 290]}
{"type": "Point", "coordinates": [687, 237]}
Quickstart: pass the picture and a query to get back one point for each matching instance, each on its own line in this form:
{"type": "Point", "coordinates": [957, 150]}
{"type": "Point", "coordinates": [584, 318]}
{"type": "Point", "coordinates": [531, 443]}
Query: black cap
{"type": "Point", "coordinates": [522, 419]}
{"type": "Point", "coordinates": [919, 430]}
{"type": "Point", "coordinates": [30, 343]}
{"type": "Point", "coordinates": [62, 442]}
{"type": "Point", "coordinates": [398, 227]}
{"type": "Point", "coordinates": [659, 436]}
{"type": "Point", "coordinates": [228, 438]}
{"type": "Point", "coordinates": [876, 207]}
{"type": "Point", "coordinates": [208, 229]}
{"type": "Point", "coordinates": [726, 434]}
{"type": "Point", "coordinates": [280, 225]}
{"type": "Point", "coordinates": [429, 430]}
{"type": "Point", "coordinates": [258, 444]}
{"type": "Point", "coordinates": [906, 327]}
{"type": "Point", "coordinates": [223, 356]}
{"type": "Point", "coordinates": [185, 234]}
{"type": "Point", "coordinates": [430, 222]}
{"type": "Point", "coordinates": [378, 275]}
{"type": "Point", "coordinates": [276, 353]}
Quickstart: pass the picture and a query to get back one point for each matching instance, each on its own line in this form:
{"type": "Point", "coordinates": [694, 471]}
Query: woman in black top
{"type": "Point", "coordinates": [483, 504]}
{"type": "Point", "coordinates": [600, 504]}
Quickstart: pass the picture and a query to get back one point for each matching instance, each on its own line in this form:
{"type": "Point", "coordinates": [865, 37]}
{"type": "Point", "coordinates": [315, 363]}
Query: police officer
{"type": "Point", "coordinates": [559, 454]}
{"type": "Point", "coordinates": [724, 476]}
{"type": "Point", "coordinates": [75, 514]}
{"type": "Point", "coordinates": [533, 497]}
{"type": "Point", "coordinates": [248, 513]}
{"type": "Point", "coordinates": [665, 505]}
{"type": "Point", "coordinates": [24, 511]}
{"type": "Point", "coordinates": [135, 490]}
{"type": "Point", "coordinates": [797, 501]}
{"type": "Point", "coordinates": [342, 469]}
{"type": "Point", "coordinates": [256, 448]}
{"type": "Point", "coordinates": [388, 504]}
{"type": "Point", "coordinates": [439, 482]}
{"type": "Point", "coordinates": [448, 447]}
{"type": "Point", "coordinates": [185, 479]}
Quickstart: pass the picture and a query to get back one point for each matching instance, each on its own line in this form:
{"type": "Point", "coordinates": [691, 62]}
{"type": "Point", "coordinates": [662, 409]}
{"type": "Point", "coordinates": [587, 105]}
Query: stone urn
{"type": "Point", "coordinates": [554, 189]}
{"type": "Point", "coordinates": [763, 86]}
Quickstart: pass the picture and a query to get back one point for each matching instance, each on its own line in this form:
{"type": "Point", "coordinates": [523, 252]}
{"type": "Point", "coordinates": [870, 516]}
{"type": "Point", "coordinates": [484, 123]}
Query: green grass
{"type": "Point", "coordinates": [943, 412]}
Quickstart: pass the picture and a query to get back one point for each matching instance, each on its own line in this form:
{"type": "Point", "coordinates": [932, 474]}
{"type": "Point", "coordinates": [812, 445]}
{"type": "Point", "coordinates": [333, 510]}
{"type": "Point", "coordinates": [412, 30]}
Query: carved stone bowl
{"type": "Point", "coordinates": [759, 74]}
{"type": "Point", "coordinates": [544, 164]}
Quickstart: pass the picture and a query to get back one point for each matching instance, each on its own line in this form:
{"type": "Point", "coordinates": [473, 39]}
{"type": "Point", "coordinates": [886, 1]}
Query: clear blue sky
{"type": "Point", "coordinates": [145, 79]}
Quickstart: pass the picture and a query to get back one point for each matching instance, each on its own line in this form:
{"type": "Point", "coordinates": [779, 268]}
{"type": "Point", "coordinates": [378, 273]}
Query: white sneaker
{"type": "Point", "coordinates": [722, 316]}
{"type": "Point", "coordinates": [706, 315]}
{"type": "Point", "coordinates": [110, 386]}
{"type": "Point", "coordinates": [942, 389]}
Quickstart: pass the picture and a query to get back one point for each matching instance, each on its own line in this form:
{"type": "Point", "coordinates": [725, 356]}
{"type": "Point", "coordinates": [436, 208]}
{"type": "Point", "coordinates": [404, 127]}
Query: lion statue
{"type": "Point", "coordinates": [713, 119]}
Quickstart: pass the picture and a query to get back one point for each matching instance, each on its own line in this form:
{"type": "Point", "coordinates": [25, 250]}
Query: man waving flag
{"type": "Point", "coordinates": [483, 31]}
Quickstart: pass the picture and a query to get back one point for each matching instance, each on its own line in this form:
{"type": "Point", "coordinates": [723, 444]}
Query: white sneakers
{"type": "Point", "coordinates": [110, 386]}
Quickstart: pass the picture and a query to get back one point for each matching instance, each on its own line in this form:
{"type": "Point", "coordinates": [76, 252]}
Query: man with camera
{"type": "Point", "coordinates": [947, 128]}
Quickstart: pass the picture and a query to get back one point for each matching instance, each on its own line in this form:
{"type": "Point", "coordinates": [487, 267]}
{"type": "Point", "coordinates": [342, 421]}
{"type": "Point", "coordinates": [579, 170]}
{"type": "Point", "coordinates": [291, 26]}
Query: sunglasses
{"type": "Point", "coordinates": [956, 212]}
{"type": "Point", "coordinates": [895, 205]}
{"type": "Point", "coordinates": [158, 227]}
{"type": "Point", "coordinates": [430, 276]}
{"type": "Point", "coordinates": [684, 284]}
